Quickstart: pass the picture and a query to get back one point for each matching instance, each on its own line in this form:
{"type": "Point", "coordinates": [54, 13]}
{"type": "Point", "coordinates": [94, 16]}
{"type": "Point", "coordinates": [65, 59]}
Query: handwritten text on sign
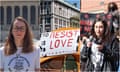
{"type": "Point", "coordinates": [59, 42]}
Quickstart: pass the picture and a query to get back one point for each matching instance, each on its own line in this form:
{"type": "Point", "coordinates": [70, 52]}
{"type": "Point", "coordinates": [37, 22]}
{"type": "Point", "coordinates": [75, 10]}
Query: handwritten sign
{"type": "Point", "coordinates": [59, 42]}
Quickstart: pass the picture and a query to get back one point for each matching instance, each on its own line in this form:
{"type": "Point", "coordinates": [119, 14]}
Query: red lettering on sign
{"type": "Point", "coordinates": [76, 32]}
{"type": "Point", "coordinates": [63, 43]}
{"type": "Point", "coordinates": [52, 35]}
{"type": "Point", "coordinates": [62, 34]}
{"type": "Point", "coordinates": [57, 43]}
{"type": "Point", "coordinates": [69, 44]}
{"type": "Point", "coordinates": [51, 45]}
{"type": "Point", "coordinates": [56, 34]}
{"type": "Point", "coordinates": [69, 34]}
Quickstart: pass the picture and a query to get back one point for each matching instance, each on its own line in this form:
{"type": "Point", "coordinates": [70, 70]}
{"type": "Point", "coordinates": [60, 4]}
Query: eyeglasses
{"type": "Point", "coordinates": [22, 29]}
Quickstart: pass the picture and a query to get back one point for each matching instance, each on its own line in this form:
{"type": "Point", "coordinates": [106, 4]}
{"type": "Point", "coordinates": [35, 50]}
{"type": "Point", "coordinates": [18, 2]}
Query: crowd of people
{"type": "Point", "coordinates": [100, 52]}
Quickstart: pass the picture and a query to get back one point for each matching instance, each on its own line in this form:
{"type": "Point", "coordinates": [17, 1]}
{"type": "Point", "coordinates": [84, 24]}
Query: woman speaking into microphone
{"type": "Point", "coordinates": [98, 54]}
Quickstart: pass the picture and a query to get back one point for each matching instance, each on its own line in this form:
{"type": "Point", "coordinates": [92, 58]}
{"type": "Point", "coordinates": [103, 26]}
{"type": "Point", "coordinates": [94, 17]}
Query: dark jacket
{"type": "Point", "coordinates": [111, 57]}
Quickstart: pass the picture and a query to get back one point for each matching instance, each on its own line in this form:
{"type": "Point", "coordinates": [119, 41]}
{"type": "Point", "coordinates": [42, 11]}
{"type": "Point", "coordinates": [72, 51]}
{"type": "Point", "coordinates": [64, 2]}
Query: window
{"type": "Point", "coordinates": [41, 7]}
{"type": "Point", "coordinates": [56, 26]}
{"type": "Point", "coordinates": [41, 20]}
{"type": "Point", "coordinates": [1, 15]}
{"type": "Point", "coordinates": [49, 3]}
{"type": "Point", "coordinates": [47, 20]}
{"type": "Point", "coordinates": [17, 11]}
{"type": "Point", "coordinates": [60, 10]}
{"type": "Point", "coordinates": [48, 10]}
{"type": "Point", "coordinates": [25, 12]}
{"type": "Point", "coordinates": [41, 10]}
{"type": "Point", "coordinates": [47, 28]}
{"type": "Point", "coordinates": [32, 14]}
{"type": "Point", "coordinates": [68, 24]}
{"type": "Point", "coordinates": [41, 28]}
{"type": "Point", "coordinates": [56, 20]}
{"type": "Point", "coordinates": [60, 22]}
{"type": "Point", "coordinates": [45, 3]}
{"type": "Point", "coordinates": [47, 7]}
{"type": "Point", "coordinates": [64, 23]}
{"type": "Point", "coordinates": [55, 8]}
{"type": "Point", "coordinates": [9, 15]}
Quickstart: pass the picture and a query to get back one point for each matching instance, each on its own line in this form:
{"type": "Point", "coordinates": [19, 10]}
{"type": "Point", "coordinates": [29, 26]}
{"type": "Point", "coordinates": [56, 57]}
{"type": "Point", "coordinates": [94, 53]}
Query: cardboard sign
{"type": "Point", "coordinates": [59, 42]}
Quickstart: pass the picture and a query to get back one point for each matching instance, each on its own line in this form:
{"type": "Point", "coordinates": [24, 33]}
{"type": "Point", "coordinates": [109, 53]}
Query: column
{"type": "Point", "coordinates": [52, 15]}
{"type": "Point", "coordinates": [20, 10]}
{"type": "Point", "coordinates": [13, 14]}
{"type": "Point", "coordinates": [28, 14]}
{"type": "Point", "coordinates": [43, 21]}
{"type": "Point", "coordinates": [37, 14]}
{"type": "Point", "coordinates": [5, 16]}
{"type": "Point", "coordinates": [52, 23]}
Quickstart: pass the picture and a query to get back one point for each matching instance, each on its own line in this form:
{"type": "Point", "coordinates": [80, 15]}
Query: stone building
{"type": "Point", "coordinates": [9, 9]}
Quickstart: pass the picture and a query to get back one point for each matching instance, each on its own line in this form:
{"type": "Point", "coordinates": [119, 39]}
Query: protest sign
{"type": "Point", "coordinates": [59, 42]}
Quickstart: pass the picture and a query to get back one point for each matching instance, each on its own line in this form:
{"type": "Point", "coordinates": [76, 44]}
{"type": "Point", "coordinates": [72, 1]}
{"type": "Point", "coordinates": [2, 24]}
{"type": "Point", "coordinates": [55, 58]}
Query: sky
{"type": "Point", "coordinates": [74, 1]}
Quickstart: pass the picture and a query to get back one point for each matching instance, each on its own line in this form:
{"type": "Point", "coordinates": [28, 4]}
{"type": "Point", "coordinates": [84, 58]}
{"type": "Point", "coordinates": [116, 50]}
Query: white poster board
{"type": "Point", "coordinates": [59, 42]}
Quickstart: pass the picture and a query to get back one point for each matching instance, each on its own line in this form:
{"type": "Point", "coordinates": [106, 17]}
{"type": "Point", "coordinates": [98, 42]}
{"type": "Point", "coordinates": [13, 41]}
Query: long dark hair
{"type": "Point", "coordinates": [112, 6]}
{"type": "Point", "coordinates": [113, 10]}
{"type": "Point", "coordinates": [106, 30]}
{"type": "Point", "coordinates": [10, 46]}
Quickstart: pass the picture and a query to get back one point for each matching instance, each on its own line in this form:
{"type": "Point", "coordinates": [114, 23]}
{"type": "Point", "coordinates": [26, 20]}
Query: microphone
{"type": "Point", "coordinates": [98, 41]}
{"type": "Point", "coordinates": [91, 38]}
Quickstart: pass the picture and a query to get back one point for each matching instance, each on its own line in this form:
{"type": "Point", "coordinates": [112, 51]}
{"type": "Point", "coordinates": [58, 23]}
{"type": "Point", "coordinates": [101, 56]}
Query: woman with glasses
{"type": "Point", "coordinates": [19, 54]}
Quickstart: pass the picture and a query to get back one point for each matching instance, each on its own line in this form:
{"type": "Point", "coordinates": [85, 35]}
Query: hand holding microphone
{"type": "Point", "coordinates": [89, 44]}
{"type": "Point", "coordinates": [98, 42]}
{"type": "Point", "coordinates": [89, 41]}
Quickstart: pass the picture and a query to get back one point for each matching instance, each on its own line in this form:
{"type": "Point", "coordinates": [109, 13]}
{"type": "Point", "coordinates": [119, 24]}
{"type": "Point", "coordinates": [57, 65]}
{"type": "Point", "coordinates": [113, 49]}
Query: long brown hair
{"type": "Point", "coordinates": [10, 46]}
{"type": "Point", "coordinates": [106, 33]}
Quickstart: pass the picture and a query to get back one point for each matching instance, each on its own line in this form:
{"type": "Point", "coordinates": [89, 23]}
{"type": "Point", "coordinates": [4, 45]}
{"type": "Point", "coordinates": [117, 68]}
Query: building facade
{"type": "Point", "coordinates": [42, 15]}
{"type": "Point", "coordinates": [96, 6]}
{"type": "Point", "coordinates": [55, 14]}
{"type": "Point", "coordinates": [9, 9]}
